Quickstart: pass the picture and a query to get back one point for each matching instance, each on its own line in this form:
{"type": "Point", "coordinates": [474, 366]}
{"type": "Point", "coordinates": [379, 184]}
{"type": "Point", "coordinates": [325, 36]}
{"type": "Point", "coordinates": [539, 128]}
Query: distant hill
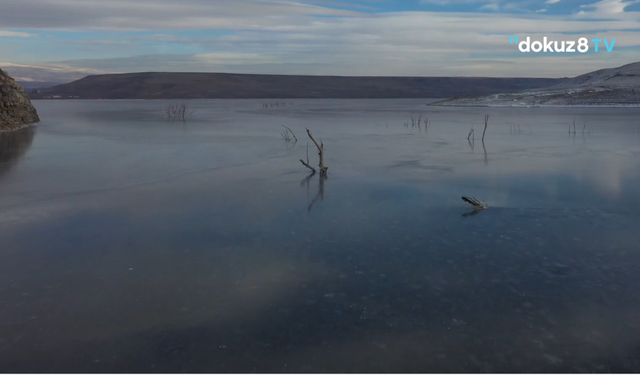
{"type": "Point", "coordinates": [247, 86]}
{"type": "Point", "coordinates": [30, 85]}
{"type": "Point", "coordinates": [609, 87]}
{"type": "Point", "coordinates": [40, 76]}
{"type": "Point", "coordinates": [623, 76]}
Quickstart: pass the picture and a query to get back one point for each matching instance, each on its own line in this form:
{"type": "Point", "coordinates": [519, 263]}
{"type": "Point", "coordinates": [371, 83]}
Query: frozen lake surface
{"type": "Point", "coordinates": [131, 243]}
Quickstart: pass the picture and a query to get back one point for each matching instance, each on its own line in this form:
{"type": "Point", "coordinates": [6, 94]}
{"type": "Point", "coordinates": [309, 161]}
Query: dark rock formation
{"type": "Point", "coordinates": [16, 110]}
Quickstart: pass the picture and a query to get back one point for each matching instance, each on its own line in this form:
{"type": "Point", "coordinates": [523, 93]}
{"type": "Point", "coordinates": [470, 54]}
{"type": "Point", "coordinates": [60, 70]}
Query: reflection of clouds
{"type": "Point", "coordinates": [16, 218]}
{"type": "Point", "coordinates": [441, 300]}
{"type": "Point", "coordinates": [461, 305]}
{"type": "Point", "coordinates": [437, 161]}
{"type": "Point", "coordinates": [239, 285]}
{"type": "Point", "coordinates": [236, 248]}
{"type": "Point", "coordinates": [607, 176]}
{"type": "Point", "coordinates": [139, 281]}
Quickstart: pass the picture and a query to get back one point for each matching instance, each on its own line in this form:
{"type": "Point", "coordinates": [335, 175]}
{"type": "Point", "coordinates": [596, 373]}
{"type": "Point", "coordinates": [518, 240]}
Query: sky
{"type": "Point", "coordinates": [62, 40]}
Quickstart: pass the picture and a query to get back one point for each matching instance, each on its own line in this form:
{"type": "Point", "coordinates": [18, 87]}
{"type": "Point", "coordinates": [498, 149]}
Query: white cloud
{"type": "Point", "coordinates": [398, 43]}
{"type": "Point", "coordinates": [457, 2]}
{"type": "Point", "coordinates": [552, 1]}
{"type": "Point", "coordinates": [93, 42]}
{"type": "Point", "coordinates": [491, 6]}
{"type": "Point", "coordinates": [156, 14]}
{"type": "Point", "coordinates": [48, 72]}
{"type": "Point", "coordinates": [15, 34]}
{"type": "Point", "coordinates": [608, 7]}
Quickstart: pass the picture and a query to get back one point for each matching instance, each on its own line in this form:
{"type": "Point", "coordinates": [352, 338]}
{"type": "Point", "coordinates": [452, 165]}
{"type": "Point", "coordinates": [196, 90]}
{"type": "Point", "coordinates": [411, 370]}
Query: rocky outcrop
{"type": "Point", "coordinates": [16, 110]}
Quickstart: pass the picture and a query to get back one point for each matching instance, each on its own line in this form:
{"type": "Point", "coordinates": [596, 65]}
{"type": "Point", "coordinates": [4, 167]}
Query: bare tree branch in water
{"type": "Point", "coordinates": [486, 157]}
{"type": "Point", "coordinates": [584, 129]}
{"type": "Point", "coordinates": [177, 112]}
{"type": "Point", "coordinates": [287, 137]}
{"type": "Point", "coordinates": [574, 128]}
{"type": "Point", "coordinates": [306, 164]}
{"type": "Point", "coordinates": [478, 204]}
{"type": "Point", "coordinates": [486, 122]}
{"type": "Point", "coordinates": [321, 166]}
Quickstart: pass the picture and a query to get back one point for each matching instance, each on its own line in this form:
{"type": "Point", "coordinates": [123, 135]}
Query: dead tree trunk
{"type": "Point", "coordinates": [321, 166]}
{"type": "Point", "coordinates": [306, 164]}
{"type": "Point", "coordinates": [478, 204]}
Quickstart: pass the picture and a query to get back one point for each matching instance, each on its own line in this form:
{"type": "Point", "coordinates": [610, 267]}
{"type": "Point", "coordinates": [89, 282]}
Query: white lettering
{"type": "Point", "coordinates": [524, 46]}
{"type": "Point", "coordinates": [536, 46]}
{"type": "Point", "coordinates": [547, 45]}
{"type": "Point", "coordinates": [583, 45]}
{"type": "Point", "coordinates": [555, 44]}
{"type": "Point", "coordinates": [570, 46]}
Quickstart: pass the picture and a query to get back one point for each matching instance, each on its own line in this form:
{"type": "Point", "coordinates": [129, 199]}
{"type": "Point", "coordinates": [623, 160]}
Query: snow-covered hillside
{"type": "Point", "coordinates": [606, 87]}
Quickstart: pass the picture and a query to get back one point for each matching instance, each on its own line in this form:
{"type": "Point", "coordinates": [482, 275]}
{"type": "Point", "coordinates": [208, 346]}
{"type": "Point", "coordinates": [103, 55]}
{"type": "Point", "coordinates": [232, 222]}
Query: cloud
{"type": "Point", "coordinates": [15, 34]}
{"type": "Point", "coordinates": [439, 2]}
{"type": "Point", "coordinates": [491, 6]}
{"type": "Point", "coordinates": [457, 2]}
{"type": "Point", "coordinates": [157, 14]}
{"type": "Point", "coordinates": [288, 37]}
{"type": "Point", "coordinates": [497, 66]}
{"type": "Point", "coordinates": [445, 45]}
{"type": "Point", "coordinates": [48, 72]}
{"type": "Point", "coordinates": [92, 42]}
{"type": "Point", "coordinates": [607, 7]}
{"type": "Point", "coordinates": [487, 5]}
{"type": "Point", "coordinates": [552, 1]}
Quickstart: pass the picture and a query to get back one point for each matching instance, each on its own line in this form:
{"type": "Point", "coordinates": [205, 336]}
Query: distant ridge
{"type": "Point", "coordinates": [30, 85]}
{"type": "Point", "coordinates": [155, 85]}
{"type": "Point", "coordinates": [605, 87]}
{"type": "Point", "coordinates": [623, 76]}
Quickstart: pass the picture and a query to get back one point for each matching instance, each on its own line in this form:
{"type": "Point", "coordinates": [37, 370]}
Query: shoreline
{"type": "Point", "coordinates": [539, 105]}
{"type": "Point", "coordinates": [18, 128]}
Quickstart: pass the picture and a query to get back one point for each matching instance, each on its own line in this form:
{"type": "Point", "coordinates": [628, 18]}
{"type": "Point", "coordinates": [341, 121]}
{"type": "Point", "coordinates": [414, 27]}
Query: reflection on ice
{"type": "Point", "coordinates": [13, 145]}
{"type": "Point", "coordinates": [131, 243]}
